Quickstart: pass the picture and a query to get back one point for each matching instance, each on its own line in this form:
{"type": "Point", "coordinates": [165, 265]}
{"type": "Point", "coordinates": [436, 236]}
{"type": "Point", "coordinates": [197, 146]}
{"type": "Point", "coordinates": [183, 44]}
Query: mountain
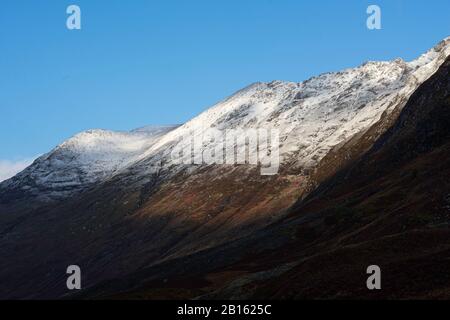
{"type": "Point", "coordinates": [81, 161]}
{"type": "Point", "coordinates": [122, 208]}
{"type": "Point", "coordinates": [389, 207]}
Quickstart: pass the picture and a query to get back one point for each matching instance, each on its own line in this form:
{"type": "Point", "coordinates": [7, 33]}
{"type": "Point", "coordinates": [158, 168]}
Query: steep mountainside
{"type": "Point", "coordinates": [118, 204]}
{"type": "Point", "coordinates": [390, 207]}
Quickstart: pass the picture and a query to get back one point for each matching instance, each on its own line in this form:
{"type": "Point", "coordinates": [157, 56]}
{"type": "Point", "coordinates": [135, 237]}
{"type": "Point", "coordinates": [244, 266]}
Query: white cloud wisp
{"type": "Point", "coordinates": [9, 169]}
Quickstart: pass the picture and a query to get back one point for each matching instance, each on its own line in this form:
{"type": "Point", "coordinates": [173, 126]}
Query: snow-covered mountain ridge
{"type": "Point", "coordinates": [312, 117]}
{"type": "Point", "coordinates": [318, 114]}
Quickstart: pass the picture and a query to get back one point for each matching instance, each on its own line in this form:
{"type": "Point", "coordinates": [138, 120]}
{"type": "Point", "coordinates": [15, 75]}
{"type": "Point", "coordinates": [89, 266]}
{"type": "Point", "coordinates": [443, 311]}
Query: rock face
{"type": "Point", "coordinates": [117, 204]}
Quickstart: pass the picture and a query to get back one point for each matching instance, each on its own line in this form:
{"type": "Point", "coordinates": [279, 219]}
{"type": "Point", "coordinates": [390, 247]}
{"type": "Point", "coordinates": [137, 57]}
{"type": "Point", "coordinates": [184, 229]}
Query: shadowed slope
{"type": "Point", "coordinates": [390, 208]}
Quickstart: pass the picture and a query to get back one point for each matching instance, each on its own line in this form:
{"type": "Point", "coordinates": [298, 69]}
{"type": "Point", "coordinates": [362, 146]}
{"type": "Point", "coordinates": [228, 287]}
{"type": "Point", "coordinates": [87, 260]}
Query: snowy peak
{"type": "Point", "coordinates": [428, 63]}
{"type": "Point", "coordinates": [84, 159]}
{"type": "Point", "coordinates": [438, 52]}
{"type": "Point", "coordinates": [97, 144]}
{"type": "Point", "coordinates": [102, 151]}
{"type": "Point", "coordinates": [318, 114]}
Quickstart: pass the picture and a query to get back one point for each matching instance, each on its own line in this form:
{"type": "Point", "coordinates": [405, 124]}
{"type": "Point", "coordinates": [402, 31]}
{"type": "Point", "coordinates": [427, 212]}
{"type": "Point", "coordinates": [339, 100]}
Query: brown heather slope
{"type": "Point", "coordinates": [390, 208]}
{"type": "Point", "coordinates": [115, 229]}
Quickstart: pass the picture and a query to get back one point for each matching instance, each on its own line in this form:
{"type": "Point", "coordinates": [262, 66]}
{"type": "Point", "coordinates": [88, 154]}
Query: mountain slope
{"type": "Point", "coordinates": [144, 210]}
{"type": "Point", "coordinates": [389, 208]}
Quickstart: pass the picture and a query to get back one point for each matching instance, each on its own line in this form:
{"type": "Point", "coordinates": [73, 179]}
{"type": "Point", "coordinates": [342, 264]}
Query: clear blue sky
{"type": "Point", "coordinates": [142, 62]}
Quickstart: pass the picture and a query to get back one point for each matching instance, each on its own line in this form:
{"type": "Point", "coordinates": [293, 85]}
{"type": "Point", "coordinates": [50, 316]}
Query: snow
{"type": "Point", "coordinates": [84, 159]}
{"type": "Point", "coordinates": [312, 117]}
{"type": "Point", "coordinates": [315, 115]}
